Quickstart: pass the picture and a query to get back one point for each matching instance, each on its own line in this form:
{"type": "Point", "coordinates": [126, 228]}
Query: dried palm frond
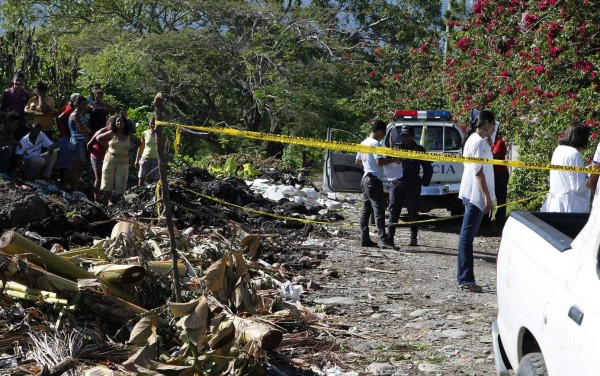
{"type": "Point", "coordinates": [50, 348]}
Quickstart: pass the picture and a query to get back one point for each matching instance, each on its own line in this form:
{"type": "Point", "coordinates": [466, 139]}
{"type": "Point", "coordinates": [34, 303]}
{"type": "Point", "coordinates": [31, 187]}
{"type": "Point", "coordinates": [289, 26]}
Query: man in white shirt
{"type": "Point", "coordinates": [477, 193]}
{"type": "Point", "coordinates": [31, 160]}
{"type": "Point", "coordinates": [372, 188]}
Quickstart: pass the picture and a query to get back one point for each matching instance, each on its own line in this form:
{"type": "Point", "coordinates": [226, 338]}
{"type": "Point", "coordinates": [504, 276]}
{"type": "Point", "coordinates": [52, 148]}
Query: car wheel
{"type": "Point", "coordinates": [532, 364]}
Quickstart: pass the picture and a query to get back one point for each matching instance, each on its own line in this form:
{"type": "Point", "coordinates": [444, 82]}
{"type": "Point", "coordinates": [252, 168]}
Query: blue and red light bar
{"type": "Point", "coordinates": [422, 115]}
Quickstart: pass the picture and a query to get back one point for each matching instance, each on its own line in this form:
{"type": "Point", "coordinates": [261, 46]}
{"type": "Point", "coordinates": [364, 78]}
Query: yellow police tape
{"type": "Point", "coordinates": [357, 148]}
{"type": "Point", "coordinates": [223, 202]}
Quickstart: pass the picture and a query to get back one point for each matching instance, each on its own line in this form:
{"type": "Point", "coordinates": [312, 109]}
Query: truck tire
{"type": "Point", "coordinates": [532, 364]}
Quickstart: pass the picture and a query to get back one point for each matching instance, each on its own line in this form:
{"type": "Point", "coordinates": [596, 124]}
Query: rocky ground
{"type": "Point", "coordinates": [403, 308]}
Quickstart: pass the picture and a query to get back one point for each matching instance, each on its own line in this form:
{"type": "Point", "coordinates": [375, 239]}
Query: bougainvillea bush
{"type": "Point", "coordinates": [536, 65]}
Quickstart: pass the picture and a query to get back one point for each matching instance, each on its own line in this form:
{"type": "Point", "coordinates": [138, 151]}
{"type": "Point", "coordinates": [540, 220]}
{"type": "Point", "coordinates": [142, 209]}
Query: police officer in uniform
{"type": "Point", "coordinates": [373, 198]}
{"type": "Point", "coordinates": [407, 189]}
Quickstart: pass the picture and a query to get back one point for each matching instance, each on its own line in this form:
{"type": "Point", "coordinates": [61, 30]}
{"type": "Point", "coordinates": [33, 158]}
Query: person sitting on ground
{"type": "Point", "coordinates": [41, 107]}
{"type": "Point", "coordinates": [147, 155]}
{"type": "Point", "coordinates": [14, 99]}
{"type": "Point", "coordinates": [97, 153]}
{"type": "Point", "coordinates": [31, 159]}
{"type": "Point", "coordinates": [8, 143]}
{"type": "Point", "coordinates": [115, 168]}
{"type": "Point", "coordinates": [79, 134]}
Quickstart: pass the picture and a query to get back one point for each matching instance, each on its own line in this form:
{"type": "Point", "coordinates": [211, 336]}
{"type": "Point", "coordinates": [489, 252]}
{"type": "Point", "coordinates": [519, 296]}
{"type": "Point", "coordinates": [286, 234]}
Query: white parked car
{"type": "Point", "coordinates": [548, 283]}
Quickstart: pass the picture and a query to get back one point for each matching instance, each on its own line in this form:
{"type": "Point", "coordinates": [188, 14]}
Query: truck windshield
{"type": "Point", "coordinates": [437, 137]}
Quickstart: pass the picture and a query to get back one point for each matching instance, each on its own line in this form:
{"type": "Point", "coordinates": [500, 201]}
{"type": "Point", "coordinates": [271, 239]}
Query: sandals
{"type": "Point", "coordinates": [471, 287]}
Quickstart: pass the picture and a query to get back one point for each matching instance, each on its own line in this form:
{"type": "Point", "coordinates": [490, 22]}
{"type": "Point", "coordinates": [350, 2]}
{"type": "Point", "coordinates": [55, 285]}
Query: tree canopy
{"type": "Point", "coordinates": [298, 66]}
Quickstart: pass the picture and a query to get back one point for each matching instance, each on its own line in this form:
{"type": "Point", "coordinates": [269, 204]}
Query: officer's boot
{"type": "Point", "coordinates": [391, 233]}
{"type": "Point", "coordinates": [413, 236]}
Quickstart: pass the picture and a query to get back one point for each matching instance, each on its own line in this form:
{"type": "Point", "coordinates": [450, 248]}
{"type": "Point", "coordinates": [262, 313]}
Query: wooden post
{"type": "Point", "coordinates": [162, 168]}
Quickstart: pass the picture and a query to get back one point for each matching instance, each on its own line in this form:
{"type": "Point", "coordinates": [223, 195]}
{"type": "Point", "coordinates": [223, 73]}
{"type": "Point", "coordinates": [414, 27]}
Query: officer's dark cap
{"type": "Point", "coordinates": [407, 130]}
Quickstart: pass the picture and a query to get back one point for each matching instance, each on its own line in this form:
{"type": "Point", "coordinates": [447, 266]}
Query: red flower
{"type": "Point", "coordinates": [464, 44]}
{"type": "Point", "coordinates": [584, 65]}
{"type": "Point", "coordinates": [372, 73]}
{"type": "Point", "coordinates": [540, 69]}
{"type": "Point", "coordinates": [529, 21]}
{"type": "Point", "coordinates": [554, 52]}
{"type": "Point", "coordinates": [570, 95]}
{"type": "Point", "coordinates": [553, 30]}
{"type": "Point", "coordinates": [424, 48]}
{"type": "Point", "coordinates": [592, 123]}
{"type": "Point", "coordinates": [478, 7]}
{"type": "Point", "coordinates": [545, 4]}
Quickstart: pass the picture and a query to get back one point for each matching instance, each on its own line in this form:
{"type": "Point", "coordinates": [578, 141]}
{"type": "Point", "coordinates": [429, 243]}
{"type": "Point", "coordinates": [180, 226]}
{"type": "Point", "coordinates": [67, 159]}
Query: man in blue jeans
{"type": "Point", "coordinates": [372, 187]}
{"type": "Point", "coordinates": [477, 193]}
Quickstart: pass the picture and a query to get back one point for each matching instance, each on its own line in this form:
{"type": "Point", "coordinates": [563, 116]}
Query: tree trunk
{"type": "Point", "coordinates": [253, 118]}
{"type": "Point", "coordinates": [118, 273]}
{"type": "Point", "coordinates": [13, 244]}
{"type": "Point", "coordinates": [163, 267]}
{"type": "Point", "coordinates": [273, 148]}
{"type": "Point", "coordinates": [107, 306]}
{"type": "Point", "coordinates": [162, 168]}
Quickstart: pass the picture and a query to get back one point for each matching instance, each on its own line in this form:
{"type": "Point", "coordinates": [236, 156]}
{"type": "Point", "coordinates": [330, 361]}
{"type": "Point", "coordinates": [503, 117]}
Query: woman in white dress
{"type": "Point", "coordinates": [568, 192]}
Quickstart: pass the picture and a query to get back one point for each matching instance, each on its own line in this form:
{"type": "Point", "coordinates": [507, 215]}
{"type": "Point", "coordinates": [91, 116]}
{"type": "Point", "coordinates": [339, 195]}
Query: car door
{"type": "Point", "coordinates": [340, 173]}
{"type": "Point", "coordinates": [581, 315]}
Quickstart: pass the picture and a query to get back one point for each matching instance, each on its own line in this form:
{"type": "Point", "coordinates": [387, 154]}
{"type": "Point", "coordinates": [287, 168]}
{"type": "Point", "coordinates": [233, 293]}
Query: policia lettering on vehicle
{"type": "Point", "coordinates": [406, 190]}
{"type": "Point", "coordinates": [373, 199]}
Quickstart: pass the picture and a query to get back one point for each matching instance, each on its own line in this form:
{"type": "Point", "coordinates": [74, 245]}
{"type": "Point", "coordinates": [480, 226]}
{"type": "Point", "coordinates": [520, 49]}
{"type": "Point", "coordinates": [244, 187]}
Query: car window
{"type": "Point", "coordinates": [437, 138]}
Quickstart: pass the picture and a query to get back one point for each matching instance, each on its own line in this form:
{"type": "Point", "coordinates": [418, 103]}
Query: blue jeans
{"type": "Point", "coordinates": [468, 231]}
{"type": "Point", "coordinates": [6, 153]}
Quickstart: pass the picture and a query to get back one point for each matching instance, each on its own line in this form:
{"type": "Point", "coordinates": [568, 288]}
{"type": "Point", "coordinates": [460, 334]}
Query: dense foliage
{"type": "Point", "coordinates": [296, 67]}
{"type": "Point", "coordinates": [535, 63]}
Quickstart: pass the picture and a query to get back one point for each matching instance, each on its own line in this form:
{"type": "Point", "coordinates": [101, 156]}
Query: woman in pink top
{"type": "Point", "coordinates": [97, 152]}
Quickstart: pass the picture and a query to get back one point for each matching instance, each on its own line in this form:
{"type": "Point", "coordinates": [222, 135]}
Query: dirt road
{"type": "Point", "coordinates": [407, 317]}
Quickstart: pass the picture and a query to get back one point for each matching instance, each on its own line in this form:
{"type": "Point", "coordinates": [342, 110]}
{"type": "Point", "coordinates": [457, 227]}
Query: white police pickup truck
{"type": "Point", "coordinates": [548, 286]}
{"type": "Point", "coordinates": [434, 130]}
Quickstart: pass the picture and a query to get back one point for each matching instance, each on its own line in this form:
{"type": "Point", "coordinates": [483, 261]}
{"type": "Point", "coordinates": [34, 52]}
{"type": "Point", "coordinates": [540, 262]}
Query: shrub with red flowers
{"type": "Point", "coordinates": [536, 68]}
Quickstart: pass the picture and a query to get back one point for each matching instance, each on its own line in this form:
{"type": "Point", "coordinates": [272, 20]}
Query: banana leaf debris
{"type": "Point", "coordinates": [88, 290]}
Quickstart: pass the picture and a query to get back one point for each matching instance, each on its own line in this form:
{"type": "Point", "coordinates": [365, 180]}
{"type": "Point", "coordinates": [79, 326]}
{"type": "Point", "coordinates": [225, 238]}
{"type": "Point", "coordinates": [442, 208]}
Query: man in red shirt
{"type": "Point", "coordinates": [500, 180]}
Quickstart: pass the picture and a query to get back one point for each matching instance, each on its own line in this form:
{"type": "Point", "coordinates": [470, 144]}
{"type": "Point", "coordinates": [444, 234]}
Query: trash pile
{"type": "Point", "coordinates": [88, 290]}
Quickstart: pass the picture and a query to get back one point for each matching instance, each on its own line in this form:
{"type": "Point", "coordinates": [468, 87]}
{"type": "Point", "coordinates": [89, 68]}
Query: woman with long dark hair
{"type": "Point", "coordinates": [79, 134]}
{"type": "Point", "coordinates": [477, 193]}
{"type": "Point", "coordinates": [115, 167]}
